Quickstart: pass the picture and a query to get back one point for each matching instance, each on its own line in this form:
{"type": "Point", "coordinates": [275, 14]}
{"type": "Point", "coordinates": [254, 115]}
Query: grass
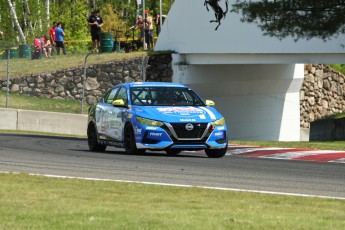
{"type": "Point", "coordinates": [36, 202]}
{"type": "Point", "coordinates": [339, 67]}
{"type": "Point", "coordinates": [16, 101]}
{"type": "Point", "coordinates": [24, 66]}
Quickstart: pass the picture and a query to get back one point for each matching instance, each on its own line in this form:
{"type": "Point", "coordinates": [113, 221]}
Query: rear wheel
{"type": "Point", "coordinates": [93, 140]}
{"type": "Point", "coordinates": [216, 153]}
{"type": "Point", "coordinates": [130, 143]}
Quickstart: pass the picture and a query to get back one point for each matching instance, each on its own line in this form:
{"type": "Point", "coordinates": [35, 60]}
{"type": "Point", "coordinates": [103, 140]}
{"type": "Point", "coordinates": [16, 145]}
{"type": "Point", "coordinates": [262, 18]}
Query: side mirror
{"type": "Point", "coordinates": [118, 103]}
{"type": "Point", "coordinates": [210, 103]}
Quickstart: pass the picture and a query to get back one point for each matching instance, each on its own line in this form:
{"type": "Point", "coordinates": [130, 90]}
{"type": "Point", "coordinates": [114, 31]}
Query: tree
{"type": "Point", "coordinates": [23, 20]}
{"type": "Point", "coordinates": [15, 21]}
{"type": "Point", "coordinates": [299, 19]}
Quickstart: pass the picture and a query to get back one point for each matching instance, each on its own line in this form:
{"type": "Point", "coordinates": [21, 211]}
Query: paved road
{"type": "Point", "coordinates": [70, 157]}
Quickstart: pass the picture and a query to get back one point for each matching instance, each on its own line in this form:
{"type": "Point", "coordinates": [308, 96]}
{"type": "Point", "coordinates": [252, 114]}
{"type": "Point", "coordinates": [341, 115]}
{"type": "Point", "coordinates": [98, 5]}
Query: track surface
{"type": "Point", "coordinates": [71, 157]}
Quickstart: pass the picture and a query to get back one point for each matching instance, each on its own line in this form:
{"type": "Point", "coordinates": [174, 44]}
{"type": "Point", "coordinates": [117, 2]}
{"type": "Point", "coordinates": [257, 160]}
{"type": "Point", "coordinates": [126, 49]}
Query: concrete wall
{"type": "Point", "coordinates": [39, 121]}
{"type": "Point", "coordinates": [259, 102]}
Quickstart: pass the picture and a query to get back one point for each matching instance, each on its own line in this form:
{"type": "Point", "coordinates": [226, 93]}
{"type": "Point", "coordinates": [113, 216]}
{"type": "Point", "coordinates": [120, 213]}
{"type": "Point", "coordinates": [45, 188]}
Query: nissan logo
{"type": "Point", "coordinates": [189, 127]}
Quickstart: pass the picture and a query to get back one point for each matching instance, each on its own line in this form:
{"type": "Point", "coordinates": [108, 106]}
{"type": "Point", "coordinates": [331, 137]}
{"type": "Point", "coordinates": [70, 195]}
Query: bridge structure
{"type": "Point", "coordinates": [238, 55]}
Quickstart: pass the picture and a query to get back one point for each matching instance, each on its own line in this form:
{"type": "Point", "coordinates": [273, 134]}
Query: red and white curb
{"type": "Point", "coordinates": [288, 153]}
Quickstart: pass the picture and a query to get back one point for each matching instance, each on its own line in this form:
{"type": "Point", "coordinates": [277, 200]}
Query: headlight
{"type": "Point", "coordinates": [149, 122]}
{"type": "Point", "coordinates": [220, 122]}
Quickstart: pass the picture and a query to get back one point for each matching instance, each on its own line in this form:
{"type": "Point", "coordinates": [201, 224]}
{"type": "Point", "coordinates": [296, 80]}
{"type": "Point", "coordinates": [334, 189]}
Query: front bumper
{"type": "Point", "coordinates": [172, 136]}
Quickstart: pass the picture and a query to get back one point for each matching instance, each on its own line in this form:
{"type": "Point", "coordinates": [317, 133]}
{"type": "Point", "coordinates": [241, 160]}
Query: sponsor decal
{"type": "Point", "coordinates": [137, 130]}
{"type": "Point", "coordinates": [210, 113]}
{"type": "Point", "coordinates": [188, 120]}
{"type": "Point", "coordinates": [219, 134]}
{"type": "Point", "coordinates": [181, 111]}
{"type": "Point", "coordinates": [151, 128]}
{"type": "Point", "coordinates": [155, 134]}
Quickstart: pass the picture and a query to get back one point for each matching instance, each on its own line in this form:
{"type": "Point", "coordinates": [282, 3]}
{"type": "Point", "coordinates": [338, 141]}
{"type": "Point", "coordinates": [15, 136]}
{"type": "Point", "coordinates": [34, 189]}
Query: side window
{"type": "Point", "coordinates": [122, 95]}
{"type": "Point", "coordinates": [111, 96]}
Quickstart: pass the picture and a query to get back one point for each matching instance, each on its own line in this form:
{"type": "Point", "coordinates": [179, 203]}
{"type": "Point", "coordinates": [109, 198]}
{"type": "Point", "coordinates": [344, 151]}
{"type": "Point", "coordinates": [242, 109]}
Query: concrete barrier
{"type": "Point", "coordinates": [8, 119]}
{"type": "Point", "coordinates": [40, 121]}
{"type": "Point", "coordinates": [61, 123]}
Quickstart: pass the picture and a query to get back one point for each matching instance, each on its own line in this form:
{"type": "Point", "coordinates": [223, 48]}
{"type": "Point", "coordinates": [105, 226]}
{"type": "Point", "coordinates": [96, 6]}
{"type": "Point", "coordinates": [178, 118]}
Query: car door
{"type": "Point", "coordinates": [118, 115]}
{"type": "Point", "coordinates": [103, 110]}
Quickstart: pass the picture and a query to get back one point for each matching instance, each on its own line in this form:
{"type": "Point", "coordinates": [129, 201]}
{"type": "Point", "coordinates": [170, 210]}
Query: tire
{"type": "Point", "coordinates": [92, 139]}
{"type": "Point", "coordinates": [172, 152]}
{"type": "Point", "coordinates": [130, 143]}
{"type": "Point", "coordinates": [216, 153]}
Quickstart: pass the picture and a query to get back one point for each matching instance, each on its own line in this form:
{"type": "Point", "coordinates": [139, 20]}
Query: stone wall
{"type": "Point", "coordinates": [68, 84]}
{"type": "Point", "coordinates": [322, 93]}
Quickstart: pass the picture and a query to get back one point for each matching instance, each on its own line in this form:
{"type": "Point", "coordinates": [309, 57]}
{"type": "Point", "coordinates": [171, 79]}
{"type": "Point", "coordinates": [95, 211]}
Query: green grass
{"type": "Point", "coordinates": [24, 66]}
{"type": "Point", "coordinates": [16, 101]}
{"type": "Point", "coordinates": [339, 67]}
{"type": "Point", "coordinates": [35, 202]}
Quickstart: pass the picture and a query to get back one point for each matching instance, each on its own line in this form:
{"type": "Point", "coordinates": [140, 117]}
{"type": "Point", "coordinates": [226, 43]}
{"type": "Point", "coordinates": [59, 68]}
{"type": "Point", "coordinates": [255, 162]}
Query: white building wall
{"type": "Point", "coordinates": [259, 102]}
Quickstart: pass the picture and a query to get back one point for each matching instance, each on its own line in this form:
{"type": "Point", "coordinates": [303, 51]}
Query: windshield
{"type": "Point", "coordinates": [164, 96]}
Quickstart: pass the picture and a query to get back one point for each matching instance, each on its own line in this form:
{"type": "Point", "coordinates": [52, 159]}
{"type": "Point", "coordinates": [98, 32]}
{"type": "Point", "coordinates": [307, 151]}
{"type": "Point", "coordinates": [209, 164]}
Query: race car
{"type": "Point", "coordinates": [160, 116]}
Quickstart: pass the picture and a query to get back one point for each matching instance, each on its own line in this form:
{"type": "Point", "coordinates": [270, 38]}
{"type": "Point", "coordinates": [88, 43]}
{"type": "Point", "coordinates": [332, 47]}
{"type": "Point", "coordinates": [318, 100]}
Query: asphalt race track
{"type": "Point", "coordinates": [71, 157]}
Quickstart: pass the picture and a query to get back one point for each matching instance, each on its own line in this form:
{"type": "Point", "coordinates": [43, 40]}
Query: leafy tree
{"type": "Point", "coordinates": [299, 19]}
{"type": "Point", "coordinates": [35, 17]}
{"type": "Point", "coordinates": [111, 20]}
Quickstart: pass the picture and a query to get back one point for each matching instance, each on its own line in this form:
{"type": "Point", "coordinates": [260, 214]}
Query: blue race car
{"type": "Point", "coordinates": [142, 116]}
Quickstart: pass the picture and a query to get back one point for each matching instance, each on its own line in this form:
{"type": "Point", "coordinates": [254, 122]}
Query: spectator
{"type": "Point", "coordinates": [148, 26]}
{"type": "Point", "coordinates": [95, 22]}
{"type": "Point", "coordinates": [60, 35]}
{"type": "Point", "coordinates": [1, 34]}
{"type": "Point", "coordinates": [52, 37]}
{"type": "Point", "coordinates": [158, 24]}
{"type": "Point", "coordinates": [139, 24]}
{"type": "Point", "coordinates": [46, 46]}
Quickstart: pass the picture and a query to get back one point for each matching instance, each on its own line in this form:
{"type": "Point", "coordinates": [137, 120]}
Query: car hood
{"type": "Point", "coordinates": [178, 113]}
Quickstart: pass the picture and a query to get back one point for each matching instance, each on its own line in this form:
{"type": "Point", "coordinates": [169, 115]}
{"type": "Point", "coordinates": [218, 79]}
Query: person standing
{"type": "Point", "coordinates": [139, 25]}
{"type": "Point", "coordinates": [158, 22]}
{"type": "Point", "coordinates": [59, 38]}
{"type": "Point", "coordinates": [95, 22]}
{"type": "Point", "coordinates": [149, 36]}
{"type": "Point", "coordinates": [52, 36]}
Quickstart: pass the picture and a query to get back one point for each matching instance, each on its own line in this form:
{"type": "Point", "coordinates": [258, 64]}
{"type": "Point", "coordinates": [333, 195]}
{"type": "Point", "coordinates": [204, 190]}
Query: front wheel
{"type": "Point", "coordinates": [93, 141]}
{"type": "Point", "coordinates": [130, 143]}
{"type": "Point", "coordinates": [216, 153]}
